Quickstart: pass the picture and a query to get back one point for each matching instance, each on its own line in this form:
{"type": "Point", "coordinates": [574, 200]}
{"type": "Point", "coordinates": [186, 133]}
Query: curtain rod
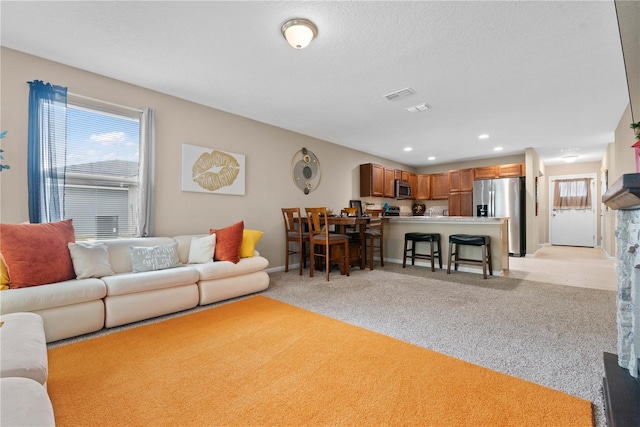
{"type": "Point", "coordinates": [104, 102]}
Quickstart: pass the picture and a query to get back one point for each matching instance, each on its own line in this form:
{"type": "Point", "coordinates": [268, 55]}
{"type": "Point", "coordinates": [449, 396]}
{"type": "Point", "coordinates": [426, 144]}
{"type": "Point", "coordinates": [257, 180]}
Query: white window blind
{"type": "Point", "coordinates": [102, 169]}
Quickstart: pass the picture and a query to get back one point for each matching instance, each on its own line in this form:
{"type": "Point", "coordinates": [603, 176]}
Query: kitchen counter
{"type": "Point", "coordinates": [497, 228]}
{"type": "Point", "coordinates": [457, 219]}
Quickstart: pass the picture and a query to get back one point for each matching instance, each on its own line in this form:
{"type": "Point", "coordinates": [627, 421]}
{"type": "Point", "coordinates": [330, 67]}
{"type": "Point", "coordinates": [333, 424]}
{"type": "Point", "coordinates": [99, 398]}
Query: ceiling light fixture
{"type": "Point", "coordinates": [299, 32]}
{"type": "Point", "coordinates": [570, 158]}
{"type": "Point", "coordinates": [431, 158]}
{"type": "Point", "coordinates": [497, 149]}
{"type": "Point", "coordinates": [483, 136]}
{"type": "Point", "coordinates": [408, 148]}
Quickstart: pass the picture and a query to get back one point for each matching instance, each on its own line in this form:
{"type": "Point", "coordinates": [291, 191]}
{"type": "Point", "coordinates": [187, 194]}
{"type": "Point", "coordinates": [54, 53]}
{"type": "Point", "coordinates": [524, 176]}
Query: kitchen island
{"type": "Point", "coordinates": [497, 228]}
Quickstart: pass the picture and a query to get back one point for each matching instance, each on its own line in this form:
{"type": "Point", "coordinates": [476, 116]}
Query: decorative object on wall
{"type": "Point", "coordinates": [3, 166]}
{"type": "Point", "coordinates": [305, 170]}
{"type": "Point", "coordinates": [208, 170]}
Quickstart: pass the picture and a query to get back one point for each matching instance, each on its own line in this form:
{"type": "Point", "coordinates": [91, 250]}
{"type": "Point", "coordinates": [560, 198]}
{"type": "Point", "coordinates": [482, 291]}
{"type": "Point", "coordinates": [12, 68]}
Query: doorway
{"type": "Point", "coordinates": [572, 223]}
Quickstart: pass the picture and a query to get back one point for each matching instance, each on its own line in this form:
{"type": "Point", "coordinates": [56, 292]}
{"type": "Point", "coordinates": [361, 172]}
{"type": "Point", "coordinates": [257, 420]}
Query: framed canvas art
{"type": "Point", "coordinates": [207, 170]}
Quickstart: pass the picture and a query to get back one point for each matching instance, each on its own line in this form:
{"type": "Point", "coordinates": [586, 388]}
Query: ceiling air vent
{"type": "Point", "coordinates": [416, 108]}
{"type": "Point", "coordinates": [407, 91]}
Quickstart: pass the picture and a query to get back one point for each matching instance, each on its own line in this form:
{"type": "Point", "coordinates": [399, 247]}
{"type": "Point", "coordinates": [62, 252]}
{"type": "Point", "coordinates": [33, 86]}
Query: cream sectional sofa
{"type": "Point", "coordinates": [80, 306]}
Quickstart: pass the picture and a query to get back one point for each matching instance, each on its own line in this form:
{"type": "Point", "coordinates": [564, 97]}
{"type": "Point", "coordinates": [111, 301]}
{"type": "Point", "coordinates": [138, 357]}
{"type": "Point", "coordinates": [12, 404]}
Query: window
{"type": "Point", "coordinates": [572, 193]}
{"type": "Point", "coordinates": [102, 170]}
{"type": "Point", "coordinates": [89, 161]}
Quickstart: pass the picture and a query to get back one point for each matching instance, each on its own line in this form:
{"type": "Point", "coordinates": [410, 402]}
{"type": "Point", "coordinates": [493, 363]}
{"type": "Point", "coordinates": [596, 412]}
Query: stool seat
{"type": "Point", "coordinates": [470, 239]}
{"type": "Point", "coordinates": [434, 245]}
{"type": "Point", "coordinates": [422, 237]}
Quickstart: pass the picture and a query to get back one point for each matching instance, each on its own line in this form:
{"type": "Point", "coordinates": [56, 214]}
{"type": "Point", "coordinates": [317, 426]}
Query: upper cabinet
{"type": "Point", "coordinates": [440, 186]}
{"type": "Point", "coordinates": [500, 171]}
{"type": "Point", "coordinates": [423, 187]}
{"type": "Point", "coordinates": [512, 170]}
{"type": "Point", "coordinates": [371, 180]}
{"type": "Point", "coordinates": [413, 180]}
{"type": "Point", "coordinates": [461, 180]}
{"type": "Point", "coordinates": [389, 182]}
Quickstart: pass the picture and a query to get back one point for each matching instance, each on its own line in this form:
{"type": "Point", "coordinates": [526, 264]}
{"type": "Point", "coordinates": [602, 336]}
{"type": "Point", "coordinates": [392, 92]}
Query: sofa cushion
{"type": "Point", "coordinates": [53, 295]}
{"type": "Point", "coordinates": [90, 260]}
{"type": "Point", "coordinates": [201, 249]}
{"type": "Point", "coordinates": [23, 347]}
{"type": "Point", "coordinates": [219, 269]}
{"type": "Point", "coordinates": [250, 239]}
{"type": "Point", "coordinates": [24, 402]}
{"type": "Point", "coordinates": [51, 261]}
{"type": "Point", "coordinates": [153, 258]}
{"type": "Point", "coordinates": [129, 283]}
{"type": "Point", "coordinates": [228, 242]}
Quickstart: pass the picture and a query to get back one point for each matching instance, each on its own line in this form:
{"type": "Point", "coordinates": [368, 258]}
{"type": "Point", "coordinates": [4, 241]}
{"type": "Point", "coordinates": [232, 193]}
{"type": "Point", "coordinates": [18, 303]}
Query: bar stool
{"type": "Point", "coordinates": [470, 240]}
{"type": "Point", "coordinates": [415, 237]}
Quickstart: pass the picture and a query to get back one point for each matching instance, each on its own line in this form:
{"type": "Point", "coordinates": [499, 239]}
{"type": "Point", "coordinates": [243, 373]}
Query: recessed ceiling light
{"type": "Point", "coordinates": [431, 158]}
{"type": "Point", "coordinates": [483, 136]}
{"type": "Point", "coordinates": [408, 148]}
{"type": "Point", "coordinates": [422, 107]}
{"type": "Point", "coordinates": [497, 149]}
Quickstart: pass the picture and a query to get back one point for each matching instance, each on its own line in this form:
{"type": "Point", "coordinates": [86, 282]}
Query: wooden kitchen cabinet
{"type": "Point", "coordinates": [423, 187]}
{"type": "Point", "coordinates": [389, 182]}
{"type": "Point", "coordinates": [512, 170]}
{"type": "Point", "coordinates": [404, 175]}
{"type": "Point", "coordinates": [461, 203]}
{"type": "Point", "coordinates": [413, 180]}
{"type": "Point", "coordinates": [460, 180]}
{"type": "Point", "coordinates": [440, 186]}
{"type": "Point", "coordinates": [371, 180]}
{"type": "Point", "coordinates": [499, 171]}
{"type": "Point", "coordinates": [486, 172]}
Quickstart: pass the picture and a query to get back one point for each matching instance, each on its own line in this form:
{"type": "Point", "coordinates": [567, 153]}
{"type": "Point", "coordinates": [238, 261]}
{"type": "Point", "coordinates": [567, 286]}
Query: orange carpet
{"type": "Point", "coordinates": [262, 362]}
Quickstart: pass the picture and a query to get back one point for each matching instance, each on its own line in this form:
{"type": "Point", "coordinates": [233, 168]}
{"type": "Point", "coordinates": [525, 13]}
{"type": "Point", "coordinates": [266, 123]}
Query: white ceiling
{"type": "Point", "coordinates": [542, 74]}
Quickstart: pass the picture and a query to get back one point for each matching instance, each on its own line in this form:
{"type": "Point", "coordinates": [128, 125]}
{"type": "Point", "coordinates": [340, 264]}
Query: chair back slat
{"type": "Point", "coordinates": [316, 218]}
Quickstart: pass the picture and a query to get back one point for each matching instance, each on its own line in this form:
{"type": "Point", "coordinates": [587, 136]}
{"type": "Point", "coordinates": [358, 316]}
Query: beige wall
{"type": "Point", "coordinates": [619, 159]}
{"type": "Point", "coordinates": [268, 151]}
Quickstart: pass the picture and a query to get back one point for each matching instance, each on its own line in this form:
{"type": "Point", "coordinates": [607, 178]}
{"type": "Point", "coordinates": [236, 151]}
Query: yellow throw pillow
{"type": "Point", "coordinates": [4, 274]}
{"type": "Point", "coordinates": [250, 239]}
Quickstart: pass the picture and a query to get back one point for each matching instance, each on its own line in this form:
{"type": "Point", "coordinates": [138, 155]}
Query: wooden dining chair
{"type": "Point", "coordinates": [295, 234]}
{"type": "Point", "coordinates": [375, 233]}
{"type": "Point", "coordinates": [319, 235]}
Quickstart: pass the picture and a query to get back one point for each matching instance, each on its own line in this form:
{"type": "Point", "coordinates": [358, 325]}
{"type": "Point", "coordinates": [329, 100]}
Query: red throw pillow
{"type": "Point", "coordinates": [37, 254]}
{"type": "Point", "coordinates": [228, 243]}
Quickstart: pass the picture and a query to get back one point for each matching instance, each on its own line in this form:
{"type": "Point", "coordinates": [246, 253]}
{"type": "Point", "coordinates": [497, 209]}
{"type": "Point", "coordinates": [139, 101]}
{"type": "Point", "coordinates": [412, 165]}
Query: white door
{"type": "Point", "coordinates": [573, 227]}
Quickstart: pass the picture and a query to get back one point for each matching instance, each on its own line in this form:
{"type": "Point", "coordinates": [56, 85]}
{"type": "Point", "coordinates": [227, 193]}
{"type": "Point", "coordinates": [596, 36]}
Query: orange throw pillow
{"type": "Point", "coordinates": [228, 242]}
{"type": "Point", "coordinates": [37, 254]}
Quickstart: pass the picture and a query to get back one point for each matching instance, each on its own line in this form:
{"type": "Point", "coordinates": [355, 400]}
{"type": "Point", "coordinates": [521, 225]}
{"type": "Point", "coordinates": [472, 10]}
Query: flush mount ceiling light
{"type": "Point", "coordinates": [483, 136]}
{"type": "Point", "coordinates": [299, 32]}
{"type": "Point", "coordinates": [431, 158]}
{"type": "Point", "coordinates": [570, 158]}
{"type": "Point", "coordinates": [408, 148]}
{"type": "Point", "coordinates": [497, 149]}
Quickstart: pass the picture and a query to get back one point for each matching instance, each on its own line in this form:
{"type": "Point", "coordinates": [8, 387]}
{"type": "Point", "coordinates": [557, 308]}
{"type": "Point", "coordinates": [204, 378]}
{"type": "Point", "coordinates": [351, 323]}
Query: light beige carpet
{"type": "Point", "coordinates": [263, 362]}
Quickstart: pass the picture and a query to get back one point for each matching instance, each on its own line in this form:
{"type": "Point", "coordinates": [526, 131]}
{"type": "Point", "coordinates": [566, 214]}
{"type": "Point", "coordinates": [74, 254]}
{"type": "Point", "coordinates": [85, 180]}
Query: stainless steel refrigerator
{"type": "Point", "coordinates": [503, 197]}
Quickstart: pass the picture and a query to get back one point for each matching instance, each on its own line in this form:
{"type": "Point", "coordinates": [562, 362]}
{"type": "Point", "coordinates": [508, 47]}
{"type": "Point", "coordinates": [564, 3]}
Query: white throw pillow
{"type": "Point", "coordinates": [150, 258]}
{"type": "Point", "coordinates": [90, 259]}
{"type": "Point", "coordinates": [202, 249]}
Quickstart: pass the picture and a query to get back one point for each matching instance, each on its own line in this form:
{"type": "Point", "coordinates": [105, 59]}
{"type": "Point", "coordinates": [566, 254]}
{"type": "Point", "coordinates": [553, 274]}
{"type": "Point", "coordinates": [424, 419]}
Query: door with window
{"type": "Point", "coordinates": [572, 219]}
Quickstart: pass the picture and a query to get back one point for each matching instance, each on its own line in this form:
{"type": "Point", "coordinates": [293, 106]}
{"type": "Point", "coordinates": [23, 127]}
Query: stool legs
{"type": "Point", "coordinates": [431, 257]}
{"type": "Point", "coordinates": [486, 261]}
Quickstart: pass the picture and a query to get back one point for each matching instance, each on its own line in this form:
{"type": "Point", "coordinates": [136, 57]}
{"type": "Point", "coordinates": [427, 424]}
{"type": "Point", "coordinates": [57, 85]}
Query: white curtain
{"type": "Point", "coordinates": [147, 168]}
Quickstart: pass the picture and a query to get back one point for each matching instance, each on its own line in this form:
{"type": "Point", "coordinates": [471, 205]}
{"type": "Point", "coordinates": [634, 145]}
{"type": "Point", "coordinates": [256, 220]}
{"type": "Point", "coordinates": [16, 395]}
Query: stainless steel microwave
{"type": "Point", "coordinates": [403, 189]}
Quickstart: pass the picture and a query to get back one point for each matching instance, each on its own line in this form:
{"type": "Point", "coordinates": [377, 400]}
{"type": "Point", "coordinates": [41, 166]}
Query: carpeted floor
{"type": "Point", "coordinates": [549, 334]}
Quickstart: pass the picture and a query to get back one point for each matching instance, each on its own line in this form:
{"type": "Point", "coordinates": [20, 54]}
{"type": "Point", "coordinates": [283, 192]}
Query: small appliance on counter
{"type": "Point", "coordinates": [419, 209]}
{"type": "Point", "coordinates": [392, 210]}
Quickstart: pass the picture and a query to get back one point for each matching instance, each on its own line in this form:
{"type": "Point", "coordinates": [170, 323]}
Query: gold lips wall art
{"type": "Point", "coordinates": [208, 170]}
